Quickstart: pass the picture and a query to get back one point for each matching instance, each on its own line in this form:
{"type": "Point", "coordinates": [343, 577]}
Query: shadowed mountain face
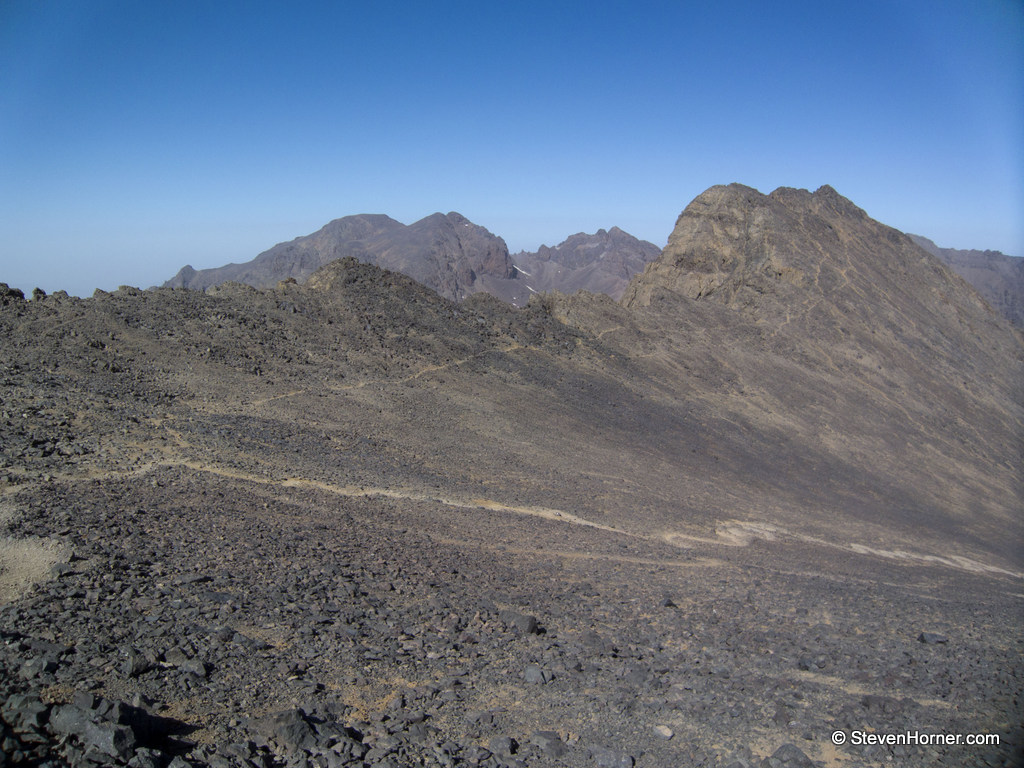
{"type": "Point", "coordinates": [600, 263]}
{"type": "Point", "coordinates": [773, 493]}
{"type": "Point", "coordinates": [447, 253]}
{"type": "Point", "coordinates": [997, 277]}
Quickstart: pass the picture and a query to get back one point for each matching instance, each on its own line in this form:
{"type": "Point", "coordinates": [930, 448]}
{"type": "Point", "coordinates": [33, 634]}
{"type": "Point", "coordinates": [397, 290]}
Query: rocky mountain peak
{"type": "Point", "coordinates": [812, 272]}
{"type": "Point", "coordinates": [602, 262]}
{"type": "Point", "coordinates": [824, 199]}
{"type": "Point", "coordinates": [780, 255]}
{"type": "Point", "coordinates": [445, 252]}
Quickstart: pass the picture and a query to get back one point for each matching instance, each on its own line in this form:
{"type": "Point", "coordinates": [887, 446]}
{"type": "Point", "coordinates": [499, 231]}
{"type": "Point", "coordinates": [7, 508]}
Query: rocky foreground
{"type": "Point", "coordinates": [351, 523]}
{"type": "Point", "coordinates": [237, 622]}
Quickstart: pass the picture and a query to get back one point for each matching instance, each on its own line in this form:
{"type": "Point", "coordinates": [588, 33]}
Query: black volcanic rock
{"type": "Point", "coordinates": [447, 253]}
{"type": "Point", "coordinates": [997, 277]}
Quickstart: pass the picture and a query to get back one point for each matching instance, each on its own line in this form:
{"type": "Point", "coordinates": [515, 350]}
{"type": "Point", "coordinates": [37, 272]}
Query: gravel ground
{"type": "Point", "coordinates": [244, 623]}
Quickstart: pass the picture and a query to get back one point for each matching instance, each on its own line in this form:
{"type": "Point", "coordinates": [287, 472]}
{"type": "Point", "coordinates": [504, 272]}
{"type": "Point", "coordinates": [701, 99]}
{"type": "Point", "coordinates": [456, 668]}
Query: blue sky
{"type": "Point", "coordinates": [136, 137]}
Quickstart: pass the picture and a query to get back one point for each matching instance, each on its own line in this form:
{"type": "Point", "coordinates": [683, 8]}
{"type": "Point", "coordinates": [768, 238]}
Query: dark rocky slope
{"type": "Point", "coordinates": [353, 523]}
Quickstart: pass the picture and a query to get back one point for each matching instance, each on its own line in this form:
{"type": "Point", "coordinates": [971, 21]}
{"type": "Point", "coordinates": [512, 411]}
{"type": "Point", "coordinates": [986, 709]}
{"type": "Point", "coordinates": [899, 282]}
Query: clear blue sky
{"type": "Point", "coordinates": [136, 137]}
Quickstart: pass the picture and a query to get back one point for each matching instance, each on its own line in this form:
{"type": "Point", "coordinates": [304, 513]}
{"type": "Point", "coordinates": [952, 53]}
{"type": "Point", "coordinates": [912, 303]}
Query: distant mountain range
{"type": "Point", "coordinates": [996, 276]}
{"type": "Point", "coordinates": [604, 262]}
{"type": "Point", "coordinates": [445, 252]}
{"type": "Point", "coordinates": [457, 258]}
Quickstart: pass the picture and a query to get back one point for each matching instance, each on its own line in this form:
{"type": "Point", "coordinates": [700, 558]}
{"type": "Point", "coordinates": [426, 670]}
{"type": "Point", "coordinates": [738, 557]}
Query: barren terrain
{"type": "Point", "coordinates": [351, 523]}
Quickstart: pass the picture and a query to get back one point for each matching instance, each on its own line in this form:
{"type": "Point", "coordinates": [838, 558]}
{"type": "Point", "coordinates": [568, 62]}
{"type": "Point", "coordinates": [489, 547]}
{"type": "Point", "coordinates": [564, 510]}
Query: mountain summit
{"type": "Point", "coordinates": [445, 252]}
{"type": "Point", "coordinates": [603, 262]}
{"type": "Point", "coordinates": [813, 261]}
{"type": "Point", "coordinates": [801, 321]}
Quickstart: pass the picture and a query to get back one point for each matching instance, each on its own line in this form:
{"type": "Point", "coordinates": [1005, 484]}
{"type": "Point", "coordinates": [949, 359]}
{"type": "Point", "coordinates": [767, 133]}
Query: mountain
{"type": "Point", "coordinates": [846, 359]}
{"type": "Point", "coordinates": [600, 263]}
{"type": "Point", "coordinates": [447, 253]}
{"type": "Point", "coordinates": [771, 495]}
{"type": "Point", "coordinates": [997, 277]}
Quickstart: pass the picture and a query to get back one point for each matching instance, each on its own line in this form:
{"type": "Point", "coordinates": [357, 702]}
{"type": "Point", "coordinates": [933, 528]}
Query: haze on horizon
{"type": "Point", "coordinates": [138, 137]}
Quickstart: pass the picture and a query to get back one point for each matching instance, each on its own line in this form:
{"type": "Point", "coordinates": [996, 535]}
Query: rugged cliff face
{"type": "Point", "coordinates": [794, 253]}
{"type": "Point", "coordinates": [815, 269]}
{"type": "Point", "coordinates": [449, 254]}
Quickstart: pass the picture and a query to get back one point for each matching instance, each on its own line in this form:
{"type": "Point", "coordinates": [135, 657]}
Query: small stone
{"type": "Point", "coordinates": [195, 667]}
{"type": "Point", "coordinates": [788, 756]}
{"type": "Point", "coordinates": [69, 719]}
{"type": "Point", "coordinates": [503, 745]}
{"type": "Point", "coordinates": [525, 623]}
{"type": "Point", "coordinates": [550, 743]}
{"type": "Point", "coordinates": [610, 758]}
{"type": "Point", "coordinates": [84, 700]}
{"type": "Point", "coordinates": [135, 663]}
{"type": "Point", "coordinates": [114, 740]}
{"type": "Point", "coordinates": [535, 674]}
{"type": "Point", "coordinates": [175, 657]}
{"type": "Point", "coordinates": [289, 729]}
{"type": "Point", "coordinates": [146, 758]}
{"type": "Point", "coordinates": [25, 712]}
{"type": "Point", "coordinates": [932, 638]}
{"type": "Point", "coordinates": [663, 732]}
{"type": "Point", "coordinates": [59, 570]}
{"type": "Point", "coordinates": [35, 667]}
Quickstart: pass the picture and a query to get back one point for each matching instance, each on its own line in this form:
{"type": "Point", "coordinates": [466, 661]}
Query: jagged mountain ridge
{"type": "Point", "coordinates": [604, 262]}
{"type": "Point", "coordinates": [996, 276]}
{"type": "Point", "coordinates": [439, 252]}
{"type": "Point", "coordinates": [446, 252]}
{"type": "Point", "coordinates": [813, 264]}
